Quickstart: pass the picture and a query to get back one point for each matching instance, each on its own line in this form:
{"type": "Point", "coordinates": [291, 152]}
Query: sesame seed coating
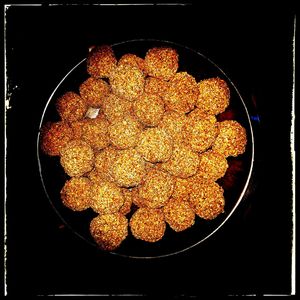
{"type": "Point", "coordinates": [77, 128]}
{"type": "Point", "coordinates": [172, 123]}
{"type": "Point", "coordinates": [77, 158]}
{"type": "Point", "coordinates": [127, 81]}
{"type": "Point", "coordinates": [179, 214]}
{"type": "Point", "coordinates": [231, 140]}
{"type": "Point", "coordinates": [156, 188]}
{"type": "Point", "coordinates": [182, 93]}
{"type": "Point", "coordinates": [181, 188]}
{"type": "Point", "coordinates": [103, 162]}
{"type": "Point", "coordinates": [155, 145]}
{"type": "Point", "coordinates": [148, 224]}
{"type": "Point", "coordinates": [93, 91]}
{"type": "Point", "coordinates": [183, 162]}
{"type": "Point", "coordinates": [126, 207]}
{"type": "Point", "coordinates": [199, 134]}
{"type": "Point", "coordinates": [207, 200]}
{"type": "Point", "coordinates": [149, 109]}
{"type": "Point", "coordinates": [124, 133]}
{"type": "Point", "coordinates": [214, 95]}
{"type": "Point", "coordinates": [101, 61]}
{"type": "Point", "coordinates": [76, 193]}
{"type": "Point", "coordinates": [116, 108]}
{"type": "Point", "coordinates": [109, 230]}
{"type": "Point", "coordinates": [161, 62]}
{"type": "Point", "coordinates": [94, 131]}
{"type": "Point", "coordinates": [54, 136]}
{"type": "Point", "coordinates": [128, 168]}
{"type": "Point", "coordinates": [212, 166]}
{"type": "Point", "coordinates": [156, 86]}
{"type": "Point", "coordinates": [106, 197]}
{"type": "Point", "coordinates": [132, 60]}
{"type": "Point", "coordinates": [198, 114]}
{"type": "Point", "coordinates": [71, 107]}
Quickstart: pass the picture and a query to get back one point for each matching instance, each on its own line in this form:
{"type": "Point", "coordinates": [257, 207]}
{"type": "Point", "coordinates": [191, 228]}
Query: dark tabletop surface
{"type": "Point", "coordinates": [251, 253]}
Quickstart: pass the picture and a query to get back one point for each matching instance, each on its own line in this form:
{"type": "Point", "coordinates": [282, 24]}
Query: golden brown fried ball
{"type": "Point", "coordinates": [161, 62]}
{"type": "Point", "coordinates": [76, 193]}
{"type": "Point", "coordinates": [109, 230]}
{"type": "Point", "coordinates": [77, 158]}
{"type": "Point", "coordinates": [199, 134]}
{"type": "Point", "coordinates": [101, 61]}
{"type": "Point", "coordinates": [127, 81]}
{"type": "Point", "coordinates": [179, 214]}
{"type": "Point", "coordinates": [126, 207]}
{"type": "Point", "coordinates": [132, 60]}
{"type": "Point", "coordinates": [116, 108]}
{"type": "Point", "coordinates": [156, 188]}
{"type": "Point", "coordinates": [155, 145]}
{"type": "Point", "coordinates": [183, 162]}
{"type": "Point", "coordinates": [148, 224]}
{"type": "Point", "coordinates": [181, 188]}
{"type": "Point", "coordinates": [172, 123]}
{"type": "Point", "coordinates": [93, 91]}
{"type": "Point", "coordinates": [54, 136]}
{"type": "Point", "coordinates": [231, 140]}
{"type": "Point", "coordinates": [149, 109]}
{"type": "Point", "coordinates": [207, 199]}
{"type": "Point", "coordinates": [106, 197]}
{"type": "Point", "coordinates": [71, 107]}
{"type": "Point", "coordinates": [212, 166]}
{"type": "Point", "coordinates": [156, 86]}
{"type": "Point", "coordinates": [182, 93]}
{"type": "Point", "coordinates": [214, 95]}
{"type": "Point", "coordinates": [128, 168]}
{"type": "Point", "coordinates": [94, 131]}
{"type": "Point", "coordinates": [103, 163]}
{"type": "Point", "coordinates": [124, 133]}
{"type": "Point", "coordinates": [77, 128]}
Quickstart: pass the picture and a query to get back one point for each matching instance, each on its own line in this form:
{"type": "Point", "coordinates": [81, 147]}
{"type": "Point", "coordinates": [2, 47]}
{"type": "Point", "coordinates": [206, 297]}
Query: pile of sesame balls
{"type": "Point", "coordinates": [152, 154]}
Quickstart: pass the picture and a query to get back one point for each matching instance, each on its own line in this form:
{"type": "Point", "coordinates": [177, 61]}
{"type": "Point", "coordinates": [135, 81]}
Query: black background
{"type": "Point", "coordinates": [251, 253]}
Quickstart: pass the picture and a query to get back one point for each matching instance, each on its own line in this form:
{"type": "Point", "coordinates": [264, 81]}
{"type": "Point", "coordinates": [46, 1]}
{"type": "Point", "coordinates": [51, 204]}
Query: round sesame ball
{"type": "Point", "coordinates": [214, 95]}
{"type": "Point", "coordinates": [179, 214]}
{"type": "Point", "coordinates": [155, 145]}
{"type": "Point", "coordinates": [101, 61]}
{"type": "Point", "coordinates": [148, 224]}
{"type": "Point", "coordinates": [116, 108]}
{"type": "Point", "coordinates": [182, 93]}
{"type": "Point", "coordinates": [156, 86]}
{"type": "Point", "coordinates": [207, 200]}
{"type": "Point", "coordinates": [77, 158]}
{"type": "Point", "coordinates": [172, 123]}
{"type": "Point", "coordinates": [156, 188]}
{"type": "Point", "coordinates": [71, 107]}
{"type": "Point", "coordinates": [132, 60]}
{"type": "Point", "coordinates": [128, 168]}
{"type": "Point", "coordinates": [124, 133]}
{"type": "Point", "coordinates": [149, 109]}
{"type": "Point", "coordinates": [106, 197]}
{"type": "Point", "coordinates": [54, 136]}
{"type": "Point", "coordinates": [75, 193]}
{"type": "Point", "coordinates": [95, 132]}
{"type": "Point", "coordinates": [127, 81]}
{"type": "Point", "coordinates": [109, 230]}
{"type": "Point", "coordinates": [93, 91]}
{"type": "Point", "coordinates": [212, 166]}
{"type": "Point", "coordinates": [231, 140]}
{"type": "Point", "coordinates": [199, 134]}
{"type": "Point", "coordinates": [161, 62]}
{"type": "Point", "coordinates": [183, 162]}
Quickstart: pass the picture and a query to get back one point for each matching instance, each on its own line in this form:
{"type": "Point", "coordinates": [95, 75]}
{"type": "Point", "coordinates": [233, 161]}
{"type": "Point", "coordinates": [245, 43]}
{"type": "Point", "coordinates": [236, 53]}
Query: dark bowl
{"type": "Point", "coordinates": [235, 182]}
